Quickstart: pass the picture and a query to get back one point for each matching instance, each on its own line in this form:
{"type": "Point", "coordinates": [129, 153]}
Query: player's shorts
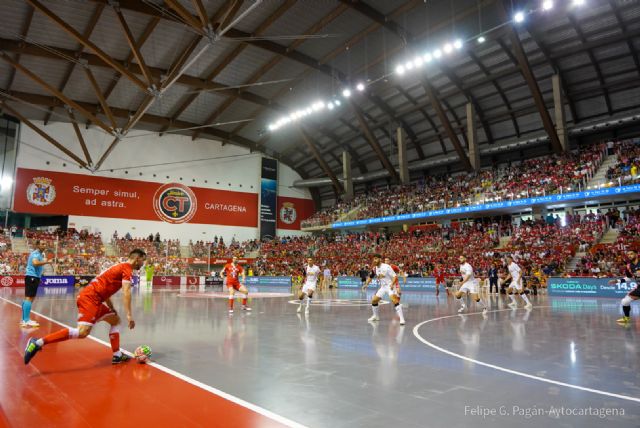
{"type": "Point", "coordinates": [31, 286]}
{"type": "Point", "coordinates": [382, 291]}
{"type": "Point", "coordinates": [470, 286]}
{"type": "Point", "coordinates": [635, 292]}
{"type": "Point", "coordinates": [516, 285]}
{"type": "Point", "coordinates": [308, 286]}
{"type": "Point", "coordinates": [235, 285]}
{"type": "Point", "coordinates": [91, 310]}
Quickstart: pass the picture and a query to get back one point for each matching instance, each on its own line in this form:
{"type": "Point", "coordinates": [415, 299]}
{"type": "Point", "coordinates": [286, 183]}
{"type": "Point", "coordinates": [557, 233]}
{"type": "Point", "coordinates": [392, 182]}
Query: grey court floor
{"type": "Point", "coordinates": [566, 363]}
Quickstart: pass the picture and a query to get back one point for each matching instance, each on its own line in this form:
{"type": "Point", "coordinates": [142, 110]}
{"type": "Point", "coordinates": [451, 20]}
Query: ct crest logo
{"type": "Point", "coordinates": [175, 203]}
{"type": "Point", "coordinates": [288, 213]}
{"type": "Point", "coordinates": [6, 281]}
{"type": "Point", "coordinates": [41, 192]}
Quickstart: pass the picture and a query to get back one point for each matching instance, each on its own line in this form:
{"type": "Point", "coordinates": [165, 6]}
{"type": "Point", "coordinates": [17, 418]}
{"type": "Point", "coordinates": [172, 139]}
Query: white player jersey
{"type": "Point", "coordinates": [465, 270]}
{"type": "Point", "coordinates": [327, 272]}
{"type": "Point", "coordinates": [385, 275]}
{"type": "Point", "coordinates": [312, 274]}
{"type": "Point", "coordinates": [515, 271]}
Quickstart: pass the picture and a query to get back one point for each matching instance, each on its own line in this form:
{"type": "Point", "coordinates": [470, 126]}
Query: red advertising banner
{"type": "Point", "coordinates": [291, 211]}
{"type": "Point", "coordinates": [50, 192]}
{"type": "Point", "coordinates": [166, 280]}
{"type": "Point", "coordinates": [12, 281]}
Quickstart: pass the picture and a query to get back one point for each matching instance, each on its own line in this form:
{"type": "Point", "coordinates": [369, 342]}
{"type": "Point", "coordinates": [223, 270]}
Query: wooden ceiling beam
{"type": "Point", "coordinates": [56, 93]}
{"type": "Point", "coordinates": [43, 134]}
{"type": "Point", "coordinates": [86, 43]}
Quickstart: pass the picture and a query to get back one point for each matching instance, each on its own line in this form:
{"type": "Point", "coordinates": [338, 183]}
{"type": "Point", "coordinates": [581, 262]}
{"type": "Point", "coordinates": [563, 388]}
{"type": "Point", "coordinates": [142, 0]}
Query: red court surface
{"type": "Point", "coordinates": [73, 384]}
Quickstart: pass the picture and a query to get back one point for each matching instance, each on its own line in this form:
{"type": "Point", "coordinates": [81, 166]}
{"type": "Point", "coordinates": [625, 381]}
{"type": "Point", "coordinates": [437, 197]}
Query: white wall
{"type": "Point", "coordinates": [146, 156]}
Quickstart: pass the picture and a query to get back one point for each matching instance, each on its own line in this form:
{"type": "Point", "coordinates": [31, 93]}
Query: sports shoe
{"type": "Point", "coordinates": [484, 311]}
{"type": "Point", "coordinates": [462, 309]}
{"type": "Point", "coordinates": [402, 321]}
{"type": "Point", "coordinates": [31, 350]}
{"type": "Point", "coordinates": [373, 318]}
{"type": "Point", "coordinates": [306, 310]}
{"type": "Point", "coordinates": [513, 305]}
{"type": "Point", "coordinates": [528, 306]}
{"type": "Point", "coordinates": [123, 358]}
{"type": "Point", "coordinates": [230, 311]}
{"type": "Point", "coordinates": [623, 320]}
{"type": "Point", "coordinates": [246, 308]}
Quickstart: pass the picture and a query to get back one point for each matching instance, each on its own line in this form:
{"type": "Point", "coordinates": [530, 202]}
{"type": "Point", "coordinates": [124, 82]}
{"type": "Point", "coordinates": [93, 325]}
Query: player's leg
{"type": "Point", "coordinates": [232, 296]}
{"type": "Point", "coordinates": [437, 288]}
{"type": "Point", "coordinates": [510, 293]}
{"type": "Point", "coordinates": [523, 296]}
{"type": "Point", "coordinates": [301, 296]}
{"type": "Point", "coordinates": [458, 295]}
{"type": "Point", "coordinates": [114, 337]}
{"type": "Point", "coordinates": [310, 292]}
{"type": "Point", "coordinates": [374, 305]}
{"type": "Point", "coordinates": [476, 298]}
{"type": "Point", "coordinates": [626, 306]}
{"type": "Point", "coordinates": [30, 291]}
{"type": "Point", "coordinates": [398, 307]}
{"type": "Point", "coordinates": [245, 295]}
{"type": "Point", "coordinates": [34, 345]}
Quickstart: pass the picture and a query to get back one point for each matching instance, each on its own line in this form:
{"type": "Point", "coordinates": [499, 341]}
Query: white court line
{"type": "Point", "coordinates": [506, 370]}
{"type": "Point", "coordinates": [262, 411]}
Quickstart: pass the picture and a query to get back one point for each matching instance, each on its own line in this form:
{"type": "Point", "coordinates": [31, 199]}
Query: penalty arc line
{"type": "Point", "coordinates": [506, 370]}
{"type": "Point", "coordinates": [239, 401]}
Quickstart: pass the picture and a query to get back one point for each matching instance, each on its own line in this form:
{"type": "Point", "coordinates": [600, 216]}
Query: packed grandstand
{"type": "Point", "coordinates": [544, 246]}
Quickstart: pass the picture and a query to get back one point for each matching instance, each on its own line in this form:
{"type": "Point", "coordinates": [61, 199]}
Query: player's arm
{"type": "Point", "coordinates": [41, 262]}
{"type": "Point", "coordinates": [126, 292]}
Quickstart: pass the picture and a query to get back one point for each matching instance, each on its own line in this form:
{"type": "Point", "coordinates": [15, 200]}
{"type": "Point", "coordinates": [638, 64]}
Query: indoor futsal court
{"type": "Point", "coordinates": [351, 371]}
{"type": "Point", "coordinates": [319, 213]}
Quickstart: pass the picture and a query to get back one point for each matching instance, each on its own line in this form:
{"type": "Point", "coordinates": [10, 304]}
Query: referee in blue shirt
{"type": "Point", "coordinates": [35, 266]}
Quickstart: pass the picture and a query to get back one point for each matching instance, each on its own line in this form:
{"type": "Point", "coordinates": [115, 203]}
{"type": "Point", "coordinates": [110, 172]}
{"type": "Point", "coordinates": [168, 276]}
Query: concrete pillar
{"type": "Point", "coordinates": [472, 137]}
{"type": "Point", "coordinates": [348, 178]}
{"type": "Point", "coordinates": [558, 106]}
{"type": "Point", "coordinates": [403, 164]}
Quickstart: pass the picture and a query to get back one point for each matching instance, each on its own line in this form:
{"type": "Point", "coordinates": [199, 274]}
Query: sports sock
{"type": "Point", "coordinates": [230, 302]}
{"type": "Point", "coordinates": [480, 303]}
{"type": "Point", "coordinates": [59, 336]}
{"type": "Point", "coordinates": [513, 298]}
{"type": "Point", "coordinates": [374, 309]}
{"type": "Point", "coordinates": [26, 310]}
{"type": "Point", "coordinates": [399, 311]}
{"type": "Point", "coordinates": [114, 338]}
{"type": "Point", "coordinates": [308, 300]}
{"type": "Point", "coordinates": [244, 300]}
{"type": "Point", "coordinates": [525, 298]}
{"type": "Point", "coordinates": [626, 310]}
{"type": "Point", "coordinates": [461, 300]}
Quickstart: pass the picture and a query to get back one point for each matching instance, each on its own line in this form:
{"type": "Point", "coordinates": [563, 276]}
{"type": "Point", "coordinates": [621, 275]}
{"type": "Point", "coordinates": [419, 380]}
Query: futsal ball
{"type": "Point", "coordinates": [142, 354]}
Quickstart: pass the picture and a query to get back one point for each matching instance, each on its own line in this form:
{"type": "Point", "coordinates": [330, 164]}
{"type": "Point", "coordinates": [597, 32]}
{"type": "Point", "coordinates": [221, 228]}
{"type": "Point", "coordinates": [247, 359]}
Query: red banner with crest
{"type": "Point", "coordinates": [49, 192]}
{"type": "Point", "coordinates": [291, 211]}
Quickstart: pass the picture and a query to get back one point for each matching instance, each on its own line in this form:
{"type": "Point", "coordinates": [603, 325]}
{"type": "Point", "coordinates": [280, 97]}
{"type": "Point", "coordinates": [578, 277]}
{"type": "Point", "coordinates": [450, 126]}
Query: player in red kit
{"type": "Point", "coordinates": [438, 273]}
{"type": "Point", "coordinates": [94, 304]}
{"type": "Point", "coordinates": [233, 271]}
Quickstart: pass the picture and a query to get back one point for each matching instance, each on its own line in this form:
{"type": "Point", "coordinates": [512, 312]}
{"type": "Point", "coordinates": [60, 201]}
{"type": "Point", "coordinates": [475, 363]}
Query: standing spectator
{"type": "Point", "coordinates": [493, 277]}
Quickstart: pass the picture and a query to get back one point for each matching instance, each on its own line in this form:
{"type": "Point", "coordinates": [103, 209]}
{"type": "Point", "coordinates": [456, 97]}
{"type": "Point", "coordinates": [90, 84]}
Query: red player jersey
{"type": "Point", "coordinates": [232, 272]}
{"type": "Point", "coordinates": [395, 268]}
{"type": "Point", "coordinates": [110, 281]}
{"type": "Point", "coordinates": [439, 274]}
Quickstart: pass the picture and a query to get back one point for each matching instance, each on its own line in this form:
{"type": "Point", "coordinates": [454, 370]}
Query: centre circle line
{"type": "Point", "coordinates": [506, 370]}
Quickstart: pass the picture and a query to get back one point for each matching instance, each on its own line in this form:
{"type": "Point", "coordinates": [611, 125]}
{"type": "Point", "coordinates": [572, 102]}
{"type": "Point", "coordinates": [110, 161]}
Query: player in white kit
{"type": "Point", "coordinates": [515, 274]}
{"type": "Point", "coordinates": [470, 284]}
{"type": "Point", "coordinates": [312, 272]}
{"type": "Point", "coordinates": [388, 281]}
